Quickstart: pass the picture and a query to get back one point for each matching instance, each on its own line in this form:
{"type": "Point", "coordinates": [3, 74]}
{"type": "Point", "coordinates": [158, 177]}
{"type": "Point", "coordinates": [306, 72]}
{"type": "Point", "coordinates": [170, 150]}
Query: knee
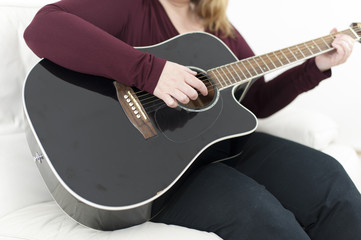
{"type": "Point", "coordinates": [253, 211]}
{"type": "Point", "coordinates": [334, 179]}
{"type": "Point", "coordinates": [332, 188]}
{"type": "Point", "coordinates": [243, 203]}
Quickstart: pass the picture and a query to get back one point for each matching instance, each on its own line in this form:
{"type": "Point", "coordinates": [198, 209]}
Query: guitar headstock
{"type": "Point", "coordinates": [356, 27]}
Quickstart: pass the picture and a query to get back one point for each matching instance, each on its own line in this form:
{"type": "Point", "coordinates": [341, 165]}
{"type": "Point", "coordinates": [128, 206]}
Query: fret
{"type": "Point", "coordinates": [327, 44]}
{"type": "Point", "coordinates": [317, 46]}
{"type": "Point", "coordinates": [321, 45]}
{"type": "Point", "coordinates": [272, 61]}
{"type": "Point", "coordinates": [220, 82]}
{"type": "Point", "coordinates": [255, 66]}
{"type": "Point", "coordinates": [287, 55]}
{"type": "Point", "coordinates": [248, 72]}
{"type": "Point", "coordinates": [281, 57]}
{"type": "Point", "coordinates": [241, 71]}
{"type": "Point", "coordinates": [303, 55]}
{"type": "Point", "coordinates": [259, 65]}
{"type": "Point", "coordinates": [279, 60]}
{"type": "Point", "coordinates": [308, 49]}
{"type": "Point", "coordinates": [267, 62]}
{"type": "Point", "coordinates": [305, 50]}
{"type": "Point", "coordinates": [250, 69]}
{"type": "Point", "coordinates": [351, 33]}
{"type": "Point", "coordinates": [297, 52]}
{"type": "Point", "coordinates": [225, 77]}
{"type": "Point", "coordinates": [311, 47]}
{"type": "Point", "coordinates": [212, 75]}
{"type": "Point", "coordinates": [264, 64]}
{"type": "Point", "coordinates": [330, 39]}
{"type": "Point", "coordinates": [231, 74]}
{"type": "Point", "coordinates": [293, 55]}
{"type": "Point", "coordinates": [239, 77]}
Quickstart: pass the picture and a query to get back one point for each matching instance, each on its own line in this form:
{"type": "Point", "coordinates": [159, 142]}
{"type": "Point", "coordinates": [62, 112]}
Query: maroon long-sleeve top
{"type": "Point", "coordinates": [98, 37]}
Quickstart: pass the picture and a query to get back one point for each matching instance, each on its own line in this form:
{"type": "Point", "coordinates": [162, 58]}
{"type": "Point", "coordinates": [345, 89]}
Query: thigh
{"type": "Point", "coordinates": [220, 199]}
{"type": "Point", "coordinates": [304, 180]}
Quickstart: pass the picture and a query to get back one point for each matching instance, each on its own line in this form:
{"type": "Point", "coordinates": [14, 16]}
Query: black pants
{"type": "Point", "coordinates": [275, 189]}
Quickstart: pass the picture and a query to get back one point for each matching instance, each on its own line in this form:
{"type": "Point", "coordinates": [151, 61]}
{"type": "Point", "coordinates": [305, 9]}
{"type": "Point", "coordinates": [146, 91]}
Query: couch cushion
{"type": "Point", "coordinates": [307, 127]}
{"type": "Point", "coordinates": [349, 159]}
{"type": "Point", "coordinates": [15, 62]}
{"type": "Point", "coordinates": [46, 221]}
{"type": "Point", "coordinates": [21, 183]}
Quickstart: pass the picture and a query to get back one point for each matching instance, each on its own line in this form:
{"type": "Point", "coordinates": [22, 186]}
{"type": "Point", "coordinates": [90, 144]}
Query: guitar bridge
{"type": "Point", "coordinates": [134, 110]}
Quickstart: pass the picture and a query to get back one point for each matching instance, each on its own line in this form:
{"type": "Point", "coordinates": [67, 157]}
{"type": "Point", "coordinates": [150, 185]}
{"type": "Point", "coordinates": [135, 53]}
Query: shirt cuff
{"type": "Point", "coordinates": [317, 74]}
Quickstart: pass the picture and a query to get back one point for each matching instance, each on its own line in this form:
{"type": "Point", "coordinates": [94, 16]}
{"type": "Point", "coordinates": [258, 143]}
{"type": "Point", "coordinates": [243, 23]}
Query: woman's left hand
{"type": "Point", "coordinates": [343, 45]}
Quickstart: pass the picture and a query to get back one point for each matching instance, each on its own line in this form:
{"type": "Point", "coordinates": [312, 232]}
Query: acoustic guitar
{"type": "Point", "coordinates": [111, 155]}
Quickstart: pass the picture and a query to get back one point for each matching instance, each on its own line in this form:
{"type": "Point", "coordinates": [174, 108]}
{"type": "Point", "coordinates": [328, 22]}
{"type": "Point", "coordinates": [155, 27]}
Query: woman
{"type": "Point", "coordinates": [275, 189]}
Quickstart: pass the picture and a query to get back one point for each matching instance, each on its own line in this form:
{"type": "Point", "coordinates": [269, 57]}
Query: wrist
{"type": "Point", "coordinates": [315, 70]}
{"type": "Point", "coordinates": [321, 65]}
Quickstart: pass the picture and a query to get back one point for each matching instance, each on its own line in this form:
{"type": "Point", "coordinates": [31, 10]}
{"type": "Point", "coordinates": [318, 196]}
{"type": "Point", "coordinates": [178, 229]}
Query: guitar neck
{"type": "Point", "coordinates": [253, 67]}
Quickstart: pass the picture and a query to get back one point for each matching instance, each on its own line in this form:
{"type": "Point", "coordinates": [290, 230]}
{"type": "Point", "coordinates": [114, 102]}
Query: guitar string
{"type": "Point", "coordinates": [232, 72]}
{"type": "Point", "coordinates": [151, 99]}
{"type": "Point", "coordinates": [207, 83]}
{"type": "Point", "coordinates": [265, 65]}
{"type": "Point", "coordinates": [250, 64]}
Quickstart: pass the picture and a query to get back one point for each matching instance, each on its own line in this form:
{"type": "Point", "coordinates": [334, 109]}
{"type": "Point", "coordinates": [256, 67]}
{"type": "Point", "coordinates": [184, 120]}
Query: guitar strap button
{"type": "Point", "coordinates": [38, 158]}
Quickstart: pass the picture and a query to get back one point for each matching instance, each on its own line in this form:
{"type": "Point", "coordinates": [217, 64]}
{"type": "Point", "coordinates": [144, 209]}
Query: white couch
{"type": "Point", "coordinates": [27, 210]}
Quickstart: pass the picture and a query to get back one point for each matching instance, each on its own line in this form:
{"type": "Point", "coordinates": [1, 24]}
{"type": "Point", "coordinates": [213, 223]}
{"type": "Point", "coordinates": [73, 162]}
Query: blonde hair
{"type": "Point", "coordinates": [213, 14]}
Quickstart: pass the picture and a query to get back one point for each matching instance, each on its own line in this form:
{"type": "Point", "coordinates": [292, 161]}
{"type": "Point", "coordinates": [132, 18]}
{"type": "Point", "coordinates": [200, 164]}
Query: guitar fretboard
{"type": "Point", "coordinates": [250, 68]}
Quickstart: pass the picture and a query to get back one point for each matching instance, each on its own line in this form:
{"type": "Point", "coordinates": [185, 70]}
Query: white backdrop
{"type": "Point", "coordinates": [272, 25]}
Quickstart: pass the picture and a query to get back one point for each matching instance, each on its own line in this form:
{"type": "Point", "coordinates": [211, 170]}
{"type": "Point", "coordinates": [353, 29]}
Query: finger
{"type": "Point", "coordinates": [346, 43]}
{"type": "Point", "coordinates": [171, 102]}
{"type": "Point", "coordinates": [197, 84]}
{"type": "Point", "coordinates": [343, 52]}
{"type": "Point", "coordinates": [347, 48]}
{"type": "Point", "coordinates": [346, 38]}
{"type": "Point", "coordinates": [190, 71]}
{"type": "Point", "coordinates": [179, 96]}
{"type": "Point", "coordinates": [340, 51]}
{"type": "Point", "coordinates": [334, 30]}
{"type": "Point", "coordinates": [189, 91]}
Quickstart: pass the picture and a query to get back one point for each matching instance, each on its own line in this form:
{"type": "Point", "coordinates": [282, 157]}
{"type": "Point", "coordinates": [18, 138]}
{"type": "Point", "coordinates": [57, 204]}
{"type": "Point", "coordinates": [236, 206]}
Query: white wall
{"type": "Point", "coordinates": [272, 25]}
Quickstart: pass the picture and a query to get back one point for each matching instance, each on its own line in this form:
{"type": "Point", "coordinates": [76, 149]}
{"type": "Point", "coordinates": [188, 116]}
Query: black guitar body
{"type": "Point", "coordinates": [99, 168]}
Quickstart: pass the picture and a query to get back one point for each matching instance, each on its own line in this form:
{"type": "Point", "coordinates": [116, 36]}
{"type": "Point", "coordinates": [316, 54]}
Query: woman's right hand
{"type": "Point", "coordinates": [178, 83]}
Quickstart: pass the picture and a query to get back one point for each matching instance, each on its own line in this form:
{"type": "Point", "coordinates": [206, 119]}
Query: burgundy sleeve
{"type": "Point", "coordinates": [266, 98]}
{"type": "Point", "coordinates": [80, 35]}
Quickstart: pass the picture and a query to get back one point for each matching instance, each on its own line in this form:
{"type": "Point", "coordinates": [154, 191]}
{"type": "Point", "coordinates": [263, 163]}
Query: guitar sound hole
{"type": "Point", "coordinates": [202, 102]}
